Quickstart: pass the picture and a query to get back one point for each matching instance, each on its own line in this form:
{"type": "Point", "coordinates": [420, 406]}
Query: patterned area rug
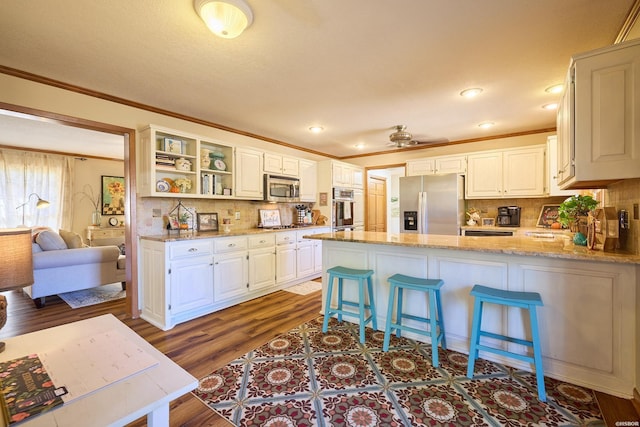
{"type": "Point", "coordinates": [307, 378]}
{"type": "Point", "coordinates": [93, 296]}
{"type": "Point", "coordinates": [305, 288]}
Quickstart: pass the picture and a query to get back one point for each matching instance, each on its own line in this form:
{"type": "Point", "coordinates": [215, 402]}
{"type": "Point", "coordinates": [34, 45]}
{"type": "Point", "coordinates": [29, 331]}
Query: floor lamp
{"type": "Point", "coordinates": [16, 265]}
{"type": "Point", "coordinates": [39, 204]}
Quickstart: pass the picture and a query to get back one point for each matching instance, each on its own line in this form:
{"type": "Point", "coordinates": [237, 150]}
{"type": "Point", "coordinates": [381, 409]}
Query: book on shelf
{"type": "Point", "coordinates": [26, 389]}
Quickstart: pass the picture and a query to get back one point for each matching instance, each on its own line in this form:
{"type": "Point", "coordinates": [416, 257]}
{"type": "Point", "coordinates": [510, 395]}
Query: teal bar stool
{"type": "Point", "coordinates": [526, 300]}
{"type": "Point", "coordinates": [435, 319]}
{"type": "Point", "coordinates": [362, 277]}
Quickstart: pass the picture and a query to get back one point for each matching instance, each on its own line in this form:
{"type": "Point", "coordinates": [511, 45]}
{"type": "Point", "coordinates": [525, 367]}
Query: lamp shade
{"type": "Point", "coordinates": [225, 18]}
{"type": "Point", "coordinates": [16, 261]}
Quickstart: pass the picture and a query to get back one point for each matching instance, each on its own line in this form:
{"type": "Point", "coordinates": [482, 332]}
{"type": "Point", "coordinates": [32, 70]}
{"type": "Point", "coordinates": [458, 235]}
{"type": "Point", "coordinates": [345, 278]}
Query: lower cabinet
{"type": "Point", "coordinates": [182, 280]}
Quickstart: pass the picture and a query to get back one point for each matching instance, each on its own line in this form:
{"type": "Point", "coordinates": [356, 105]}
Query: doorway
{"type": "Point", "coordinates": [376, 218]}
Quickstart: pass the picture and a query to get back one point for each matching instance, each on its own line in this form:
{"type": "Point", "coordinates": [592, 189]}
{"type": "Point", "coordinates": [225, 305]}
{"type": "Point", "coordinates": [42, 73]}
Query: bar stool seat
{"type": "Point", "coordinates": [526, 300]}
{"type": "Point", "coordinates": [435, 320]}
{"type": "Point", "coordinates": [361, 277]}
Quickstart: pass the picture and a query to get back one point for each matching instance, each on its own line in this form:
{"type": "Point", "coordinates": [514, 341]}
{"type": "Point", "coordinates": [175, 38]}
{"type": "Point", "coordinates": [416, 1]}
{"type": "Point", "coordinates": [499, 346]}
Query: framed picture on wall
{"type": "Point", "coordinates": [112, 195]}
{"type": "Point", "coordinates": [208, 221]}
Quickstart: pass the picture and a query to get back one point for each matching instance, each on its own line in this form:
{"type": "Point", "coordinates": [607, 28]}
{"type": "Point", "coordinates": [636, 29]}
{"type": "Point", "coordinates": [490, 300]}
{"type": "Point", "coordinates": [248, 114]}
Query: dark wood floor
{"type": "Point", "coordinates": [208, 343]}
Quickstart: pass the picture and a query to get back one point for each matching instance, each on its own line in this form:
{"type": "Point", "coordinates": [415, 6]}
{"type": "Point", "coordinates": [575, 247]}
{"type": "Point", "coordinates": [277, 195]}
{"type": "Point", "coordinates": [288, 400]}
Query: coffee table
{"type": "Point", "coordinates": [147, 392]}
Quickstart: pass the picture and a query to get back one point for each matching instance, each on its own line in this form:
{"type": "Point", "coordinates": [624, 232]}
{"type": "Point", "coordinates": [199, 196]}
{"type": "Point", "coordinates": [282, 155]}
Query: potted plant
{"type": "Point", "coordinates": [574, 211]}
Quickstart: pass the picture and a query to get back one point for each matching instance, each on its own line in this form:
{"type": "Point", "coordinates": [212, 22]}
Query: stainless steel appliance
{"type": "Point", "coordinates": [508, 216]}
{"type": "Point", "coordinates": [432, 204]}
{"type": "Point", "coordinates": [281, 189]}
{"type": "Point", "coordinates": [343, 203]}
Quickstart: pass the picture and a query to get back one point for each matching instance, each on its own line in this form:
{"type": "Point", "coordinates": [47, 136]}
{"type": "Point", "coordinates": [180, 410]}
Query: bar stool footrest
{"type": "Point", "coordinates": [506, 338]}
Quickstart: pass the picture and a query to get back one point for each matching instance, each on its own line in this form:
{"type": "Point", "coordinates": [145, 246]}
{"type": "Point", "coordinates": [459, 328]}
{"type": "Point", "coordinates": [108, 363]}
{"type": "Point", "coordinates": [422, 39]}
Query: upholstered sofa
{"type": "Point", "coordinates": [65, 265]}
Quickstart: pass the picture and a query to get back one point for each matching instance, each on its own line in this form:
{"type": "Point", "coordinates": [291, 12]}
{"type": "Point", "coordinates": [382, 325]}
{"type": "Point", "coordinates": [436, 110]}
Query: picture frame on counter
{"type": "Point", "coordinates": [548, 216]}
{"type": "Point", "coordinates": [208, 221]}
{"type": "Point", "coordinates": [488, 222]}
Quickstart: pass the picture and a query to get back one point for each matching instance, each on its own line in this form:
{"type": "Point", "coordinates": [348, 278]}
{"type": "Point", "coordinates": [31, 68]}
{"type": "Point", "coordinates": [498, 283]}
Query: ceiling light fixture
{"type": "Point", "coordinates": [486, 125]}
{"type": "Point", "coordinates": [554, 89]}
{"type": "Point", "coordinates": [359, 146]}
{"type": "Point", "coordinates": [316, 129]}
{"type": "Point", "coordinates": [551, 106]}
{"type": "Point", "coordinates": [225, 18]}
{"type": "Point", "coordinates": [472, 92]}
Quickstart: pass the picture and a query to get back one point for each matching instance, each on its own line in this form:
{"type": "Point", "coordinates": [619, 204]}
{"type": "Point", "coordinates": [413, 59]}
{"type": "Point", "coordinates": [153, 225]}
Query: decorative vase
{"type": "Point", "coordinates": [96, 218]}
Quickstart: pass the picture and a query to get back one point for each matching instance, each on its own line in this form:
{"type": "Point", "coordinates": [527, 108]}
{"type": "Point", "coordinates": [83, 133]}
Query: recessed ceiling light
{"type": "Point", "coordinates": [554, 89]}
{"type": "Point", "coordinates": [316, 129]}
{"type": "Point", "coordinates": [486, 125]}
{"type": "Point", "coordinates": [551, 106]}
{"type": "Point", "coordinates": [472, 92]}
{"type": "Point", "coordinates": [359, 146]}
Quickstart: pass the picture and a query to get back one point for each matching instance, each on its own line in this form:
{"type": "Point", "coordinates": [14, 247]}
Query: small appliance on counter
{"type": "Point", "coordinates": [508, 216]}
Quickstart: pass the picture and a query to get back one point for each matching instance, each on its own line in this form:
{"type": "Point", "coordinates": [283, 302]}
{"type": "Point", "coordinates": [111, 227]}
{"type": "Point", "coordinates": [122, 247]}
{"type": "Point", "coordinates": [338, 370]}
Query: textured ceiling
{"type": "Point", "coordinates": [355, 67]}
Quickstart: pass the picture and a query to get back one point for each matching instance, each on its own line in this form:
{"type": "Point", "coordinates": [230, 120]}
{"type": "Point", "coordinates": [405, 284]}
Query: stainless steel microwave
{"type": "Point", "coordinates": [281, 188]}
{"type": "Point", "coordinates": [343, 194]}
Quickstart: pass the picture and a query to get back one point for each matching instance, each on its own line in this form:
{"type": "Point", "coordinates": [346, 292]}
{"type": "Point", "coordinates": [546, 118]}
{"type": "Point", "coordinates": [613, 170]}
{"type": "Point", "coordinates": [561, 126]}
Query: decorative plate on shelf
{"type": "Point", "coordinates": [219, 164]}
{"type": "Point", "coordinates": [162, 186]}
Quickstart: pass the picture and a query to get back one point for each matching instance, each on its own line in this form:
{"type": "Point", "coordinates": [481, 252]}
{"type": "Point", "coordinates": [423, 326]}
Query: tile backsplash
{"type": "Point", "coordinates": [626, 195]}
{"type": "Point", "coordinates": [528, 215]}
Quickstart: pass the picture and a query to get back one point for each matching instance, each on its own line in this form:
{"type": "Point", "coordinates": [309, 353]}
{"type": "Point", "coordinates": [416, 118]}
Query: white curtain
{"type": "Point", "coordinates": [49, 176]}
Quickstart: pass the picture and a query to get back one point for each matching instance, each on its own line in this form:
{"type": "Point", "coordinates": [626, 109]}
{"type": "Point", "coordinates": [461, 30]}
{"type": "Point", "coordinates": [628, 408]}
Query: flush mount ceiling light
{"type": "Point", "coordinates": [316, 129]}
{"type": "Point", "coordinates": [551, 106]}
{"type": "Point", "coordinates": [486, 125]}
{"type": "Point", "coordinates": [554, 89]}
{"type": "Point", "coordinates": [472, 92]}
{"type": "Point", "coordinates": [225, 18]}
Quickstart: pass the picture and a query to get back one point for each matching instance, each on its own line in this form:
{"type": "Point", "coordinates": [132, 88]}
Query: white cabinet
{"type": "Point", "coordinates": [518, 172]}
{"type": "Point", "coordinates": [161, 151]}
{"type": "Point", "coordinates": [249, 172]}
{"type": "Point", "coordinates": [262, 261]}
{"type": "Point", "coordinates": [191, 284]}
{"type": "Point", "coordinates": [437, 165]}
{"type": "Point", "coordinates": [308, 180]}
{"type": "Point", "coordinates": [305, 263]}
{"type": "Point", "coordinates": [347, 175]}
{"type": "Point", "coordinates": [281, 165]}
{"type": "Point", "coordinates": [357, 177]}
{"type": "Point", "coordinates": [553, 168]}
{"type": "Point", "coordinates": [286, 256]}
{"type": "Point", "coordinates": [599, 118]}
{"type": "Point", "coordinates": [231, 274]}
{"type": "Point", "coordinates": [358, 208]}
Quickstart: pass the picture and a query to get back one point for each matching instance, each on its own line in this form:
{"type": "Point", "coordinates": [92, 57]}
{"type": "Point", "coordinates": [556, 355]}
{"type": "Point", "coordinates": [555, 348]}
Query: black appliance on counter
{"type": "Point", "coordinates": [508, 216]}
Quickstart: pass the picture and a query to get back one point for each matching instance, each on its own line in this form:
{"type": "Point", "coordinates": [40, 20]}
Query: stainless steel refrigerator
{"type": "Point", "coordinates": [432, 204]}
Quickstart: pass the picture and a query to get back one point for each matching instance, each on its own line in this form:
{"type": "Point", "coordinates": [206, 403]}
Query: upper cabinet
{"type": "Point", "coordinates": [553, 169]}
{"type": "Point", "coordinates": [599, 118]}
{"type": "Point", "coordinates": [437, 165]}
{"type": "Point", "coordinates": [249, 174]}
{"type": "Point", "coordinates": [347, 175]}
{"type": "Point", "coordinates": [308, 180]}
{"type": "Point", "coordinates": [281, 165]}
{"type": "Point", "coordinates": [176, 164]}
{"type": "Point", "coordinates": [518, 172]}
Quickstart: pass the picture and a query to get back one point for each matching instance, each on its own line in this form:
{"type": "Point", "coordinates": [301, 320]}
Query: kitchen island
{"type": "Point", "coordinates": [588, 324]}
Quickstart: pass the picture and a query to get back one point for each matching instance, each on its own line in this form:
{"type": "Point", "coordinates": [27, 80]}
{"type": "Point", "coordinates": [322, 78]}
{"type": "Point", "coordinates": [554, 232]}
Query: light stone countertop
{"type": "Point", "coordinates": [559, 247]}
{"type": "Point", "coordinates": [176, 236]}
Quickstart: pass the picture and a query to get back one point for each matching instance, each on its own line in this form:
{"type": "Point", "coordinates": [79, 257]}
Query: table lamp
{"type": "Point", "coordinates": [16, 265]}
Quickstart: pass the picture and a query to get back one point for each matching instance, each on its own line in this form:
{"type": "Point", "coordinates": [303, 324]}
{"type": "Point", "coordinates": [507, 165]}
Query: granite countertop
{"type": "Point", "coordinates": [176, 236]}
{"type": "Point", "coordinates": [560, 246]}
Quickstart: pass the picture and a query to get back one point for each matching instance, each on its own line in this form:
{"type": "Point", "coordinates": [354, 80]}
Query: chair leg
{"type": "Point", "coordinates": [537, 354]}
{"type": "Point", "coordinates": [475, 335]}
{"type": "Point", "coordinates": [434, 329]}
{"type": "Point", "coordinates": [361, 308]}
{"type": "Point", "coordinates": [372, 304]}
{"type": "Point", "coordinates": [387, 329]}
{"type": "Point", "coordinates": [399, 311]}
{"type": "Point", "coordinates": [441, 320]}
{"type": "Point", "coordinates": [340, 299]}
{"type": "Point", "coordinates": [327, 305]}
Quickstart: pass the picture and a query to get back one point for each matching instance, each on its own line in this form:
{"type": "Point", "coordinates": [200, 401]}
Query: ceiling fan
{"type": "Point", "coordinates": [401, 138]}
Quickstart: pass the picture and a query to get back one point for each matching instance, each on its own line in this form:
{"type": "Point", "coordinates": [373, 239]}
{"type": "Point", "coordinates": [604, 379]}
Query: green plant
{"type": "Point", "coordinates": [574, 207]}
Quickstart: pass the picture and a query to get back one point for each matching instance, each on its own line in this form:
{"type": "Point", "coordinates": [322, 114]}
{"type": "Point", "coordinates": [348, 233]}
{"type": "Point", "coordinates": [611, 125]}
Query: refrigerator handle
{"type": "Point", "coordinates": [422, 213]}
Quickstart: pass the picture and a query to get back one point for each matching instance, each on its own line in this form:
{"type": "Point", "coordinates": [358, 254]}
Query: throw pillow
{"type": "Point", "coordinates": [73, 240]}
{"type": "Point", "coordinates": [50, 241]}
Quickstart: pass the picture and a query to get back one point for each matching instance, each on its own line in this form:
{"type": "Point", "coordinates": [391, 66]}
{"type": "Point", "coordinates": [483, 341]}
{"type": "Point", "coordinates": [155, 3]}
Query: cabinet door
{"type": "Point", "coordinates": [191, 284]}
{"type": "Point", "coordinates": [305, 264]}
{"type": "Point", "coordinates": [341, 175]}
{"type": "Point", "coordinates": [249, 171]}
{"type": "Point", "coordinates": [262, 268]}
{"type": "Point", "coordinates": [357, 177]}
{"type": "Point", "coordinates": [230, 275]}
{"type": "Point", "coordinates": [317, 256]}
{"type": "Point", "coordinates": [308, 180]}
{"type": "Point", "coordinates": [420, 167]}
{"type": "Point", "coordinates": [484, 175]}
{"type": "Point", "coordinates": [272, 163]}
{"type": "Point", "coordinates": [358, 208]}
{"type": "Point", "coordinates": [290, 166]}
{"type": "Point", "coordinates": [450, 164]}
{"type": "Point", "coordinates": [524, 172]}
{"type": "Point", "coordinates": [607, 114]}
{"type": "Point", "coordinates": [286, 262]}
{"type": "Point", "coordinates": [565, 165]}
{"type": "Point", "coordinates": [553, 168]}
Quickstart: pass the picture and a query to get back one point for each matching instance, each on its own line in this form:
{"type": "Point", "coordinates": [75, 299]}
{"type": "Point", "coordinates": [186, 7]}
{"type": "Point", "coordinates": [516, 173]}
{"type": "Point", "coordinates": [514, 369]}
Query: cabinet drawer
{"type": "Point", "coordinates": [190, 249]}
{"type": "Point", "coordinates": [288, 237]}
{"type": "Point", "coordinates": [261, 241]}
{"type": "Point", "coordinates": [230, 244]}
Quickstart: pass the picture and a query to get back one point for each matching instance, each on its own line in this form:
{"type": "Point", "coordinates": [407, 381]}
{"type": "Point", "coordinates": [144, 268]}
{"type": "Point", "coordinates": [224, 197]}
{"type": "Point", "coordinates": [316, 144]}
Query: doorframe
{"type": "Point", "coordinates": [366, 180]}
{"type": "Point", "coordinates": [129, 136]}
